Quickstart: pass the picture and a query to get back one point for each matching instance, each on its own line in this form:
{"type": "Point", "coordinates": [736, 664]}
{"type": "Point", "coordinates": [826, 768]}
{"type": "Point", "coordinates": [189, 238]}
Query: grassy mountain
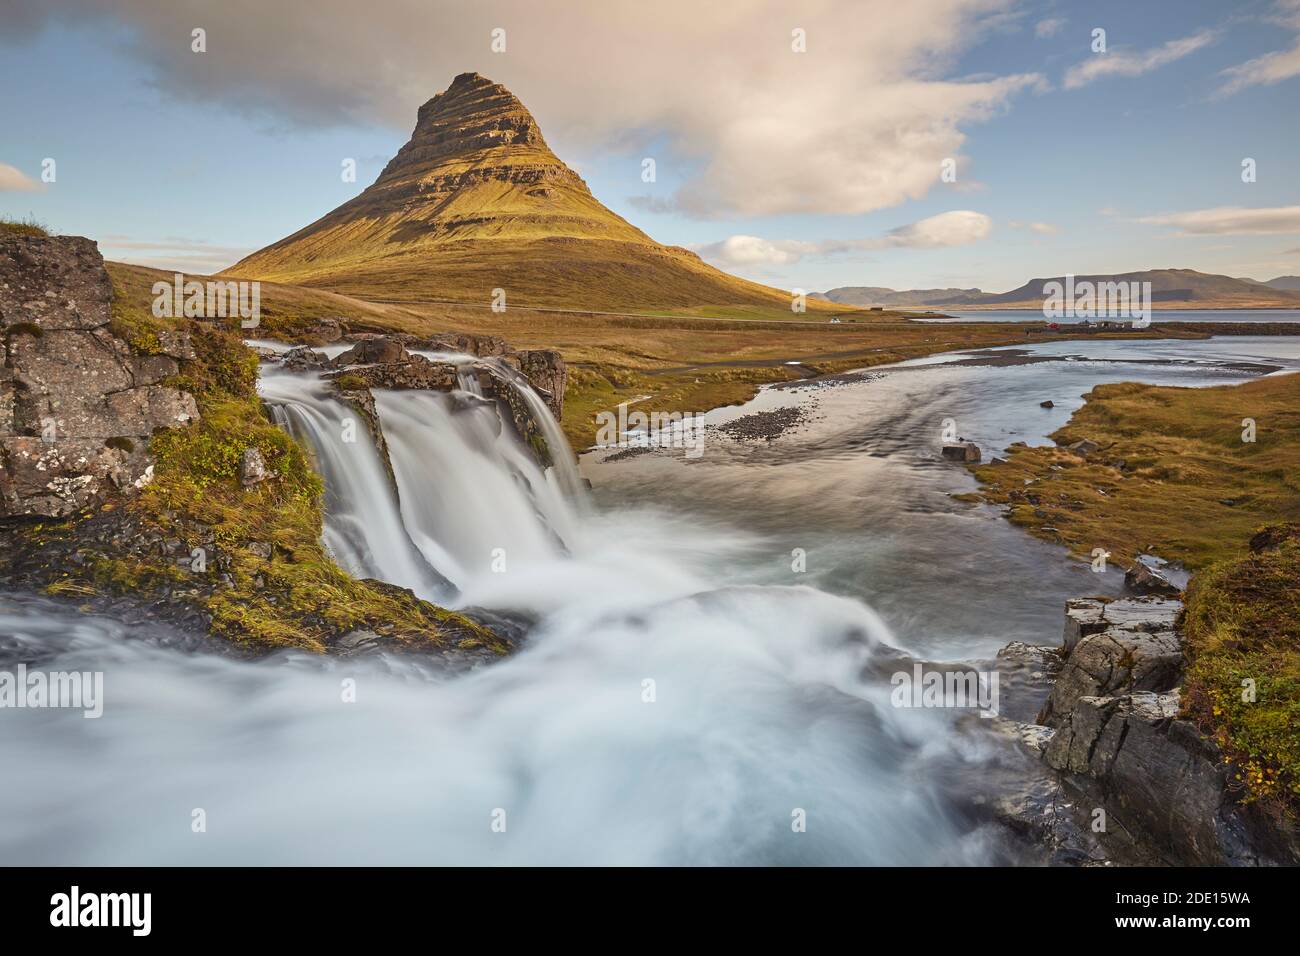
{"type": "Point", "coordinates": [1170, 289]}
{"type": "Point", "coordinates": [476, 201]}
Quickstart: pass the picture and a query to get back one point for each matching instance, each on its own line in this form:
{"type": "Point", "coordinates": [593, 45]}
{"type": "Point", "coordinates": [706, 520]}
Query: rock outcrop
{"type": "Point", "coordinates": [77, 405]}
{"type": "Point", "coordinates": [384, 362]}
{"type": "Point", "coordinates": [1115, 647]}
{"type": "Point", "coordinates": [1112, 730]}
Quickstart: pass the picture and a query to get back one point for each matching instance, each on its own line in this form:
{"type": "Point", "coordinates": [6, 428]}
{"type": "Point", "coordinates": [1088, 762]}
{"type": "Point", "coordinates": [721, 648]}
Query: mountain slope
{"type": "Point", "coordinates": [1170, 289]}
{"type": "Point", "coordinates": [476, 201]}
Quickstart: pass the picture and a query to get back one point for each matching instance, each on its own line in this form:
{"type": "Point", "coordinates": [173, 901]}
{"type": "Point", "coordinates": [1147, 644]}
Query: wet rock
{"type": "Point", "coordinates": [304, 358]}
{"type": "Point", "coordinates": [381, 350]}
{"type": "Point", "coordinates": [1152, 575]}
{"type": "Point", "coordinates": [1047, 404]}
{"type": "Point", "coordinates": [547, 373]}
{"type": "Point", "coordinates": [413, 371]}
{"type": "Point", "coordinates": [963, 451]}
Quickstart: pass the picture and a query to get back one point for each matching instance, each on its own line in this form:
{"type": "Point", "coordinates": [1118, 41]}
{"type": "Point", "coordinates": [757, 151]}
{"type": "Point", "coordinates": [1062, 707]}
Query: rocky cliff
{"type": "Point", "coordinates": [77, 404]}
{"type": "Point", "coordinates": [1113, 728]}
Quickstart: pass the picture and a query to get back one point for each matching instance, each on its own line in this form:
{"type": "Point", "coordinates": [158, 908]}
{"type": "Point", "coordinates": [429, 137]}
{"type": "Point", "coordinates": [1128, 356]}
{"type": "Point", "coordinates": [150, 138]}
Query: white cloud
{"type": "Point", "coordinates": [1262, 71]}
{"type": "Point", "coordinates": [1124, 63]}
{"type": "Point", "coordinates": [752, 250]}
{"type": "Point", "coordinates": [1041, 228]}
{"type": "Point", "coordinates": [172, 253]}
{"type": "Point", "coordinates": [860, 122]}
{"type": "Point", "coordinates": [15, 180]}
{"type": "Point", "coordinates": [1049, 27]}
{"type": "Point", "coordinates": [1230, 221]}
{"type": "Point", "coordinates": [955, 228]}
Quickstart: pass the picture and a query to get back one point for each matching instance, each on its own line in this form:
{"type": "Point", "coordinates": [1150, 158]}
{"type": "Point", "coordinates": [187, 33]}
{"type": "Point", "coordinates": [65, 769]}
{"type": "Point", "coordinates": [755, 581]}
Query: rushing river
{"type": "Point", "coordinates": [684, 694]}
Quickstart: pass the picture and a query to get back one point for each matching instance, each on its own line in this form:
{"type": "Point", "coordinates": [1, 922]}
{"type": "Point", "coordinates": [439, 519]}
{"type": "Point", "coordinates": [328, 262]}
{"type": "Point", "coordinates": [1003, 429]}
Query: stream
{"type": "Point", "coordinates": [685, 691]}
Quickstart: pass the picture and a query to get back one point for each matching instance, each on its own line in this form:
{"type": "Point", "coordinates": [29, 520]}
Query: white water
{"type": "Point", "coordinates": [655, 714]}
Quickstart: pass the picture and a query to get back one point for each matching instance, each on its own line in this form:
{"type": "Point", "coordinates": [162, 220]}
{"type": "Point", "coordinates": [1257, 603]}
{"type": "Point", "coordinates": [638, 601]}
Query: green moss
{"type": "Point", "coordinates": [121, 444]}
{"type": "Point", "coordinates": [349, 382]}
{"type": "Point", "coordinates": [1241, 629]}
{"type": "Point", "coordinates": [296, 598]}
{"type": "Point", "coordinates": [24, 328]}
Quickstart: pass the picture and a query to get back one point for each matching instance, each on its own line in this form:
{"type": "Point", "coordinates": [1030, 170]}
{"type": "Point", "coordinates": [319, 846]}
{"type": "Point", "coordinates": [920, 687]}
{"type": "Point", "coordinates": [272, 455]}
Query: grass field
{"type": "Point", "coordinates": [1172, 476]}
{"type": "Point", "coordinates": [687, 361]}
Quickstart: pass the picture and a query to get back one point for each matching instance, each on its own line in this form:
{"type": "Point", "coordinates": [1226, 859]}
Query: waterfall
{"type": "Point", "coordinates": [363, 527]}
{"type": "Point", "coordinates": [470, 498]}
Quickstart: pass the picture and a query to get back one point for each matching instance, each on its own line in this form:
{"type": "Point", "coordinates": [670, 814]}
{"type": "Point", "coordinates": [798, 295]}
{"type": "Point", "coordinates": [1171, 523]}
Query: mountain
{"type": "Point", "coordinates": [1170, 289]}
{"type": "Point", "coordinates": [476, 201]}
{"type": "Point", "coordinates": [863, 295]}
{"type": "Point", "coordinates": [1288, 283]}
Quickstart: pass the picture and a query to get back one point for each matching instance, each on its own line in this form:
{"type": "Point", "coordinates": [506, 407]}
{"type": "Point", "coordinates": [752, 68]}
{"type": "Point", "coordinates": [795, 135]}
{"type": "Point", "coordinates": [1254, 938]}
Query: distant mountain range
{"type": "Point", "coordinates": [1170, 289]}
{"type": "Point", "coordinates": [476, 201]}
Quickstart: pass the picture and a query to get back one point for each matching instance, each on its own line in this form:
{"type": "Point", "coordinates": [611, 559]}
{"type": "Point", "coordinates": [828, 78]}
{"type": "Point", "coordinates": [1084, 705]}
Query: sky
{"type": "Point", "coordinates": [814, 144]}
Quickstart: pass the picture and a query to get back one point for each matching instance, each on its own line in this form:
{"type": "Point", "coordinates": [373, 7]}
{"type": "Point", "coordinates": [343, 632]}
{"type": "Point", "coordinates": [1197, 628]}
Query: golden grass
{"type": "Point", "coordinates": [1190, 488]}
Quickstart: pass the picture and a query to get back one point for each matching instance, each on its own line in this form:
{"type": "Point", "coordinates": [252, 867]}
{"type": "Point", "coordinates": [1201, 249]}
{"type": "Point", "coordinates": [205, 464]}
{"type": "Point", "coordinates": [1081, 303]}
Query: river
{"type": "Point", "coordinates": [685, 693]}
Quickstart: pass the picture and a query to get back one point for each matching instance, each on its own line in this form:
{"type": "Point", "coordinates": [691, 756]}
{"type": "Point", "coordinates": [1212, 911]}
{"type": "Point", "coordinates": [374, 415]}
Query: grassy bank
{"type": "Point", "coordinates": [1241, 634]}
{"type": "Point", "coordinates": [268, 580]}
{"type": "Point", "coordinates": [1172, 476]}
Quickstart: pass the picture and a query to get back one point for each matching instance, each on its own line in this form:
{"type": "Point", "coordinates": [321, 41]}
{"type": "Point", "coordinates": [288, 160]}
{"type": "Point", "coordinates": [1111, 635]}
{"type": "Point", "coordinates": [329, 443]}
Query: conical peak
{"type": "Point", "coordinates": [480, 110]}
{"type": "Point", "coordinates": [472, 115]}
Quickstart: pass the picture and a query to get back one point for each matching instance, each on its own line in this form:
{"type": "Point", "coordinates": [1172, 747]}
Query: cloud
{"type": "Point", "coordinates": [1041, 228]}
{"type": "Point", "coordinates": [1262, 71]}
{"type": "Point", "coordinates": [1230, 221]}
{"type": "Point", "coordinates": [1050, 27]}
{"type": "Point", "coordinates": [1124, 63]}
{"type": "Point", "coordinates": [173, 253]}
{"type": "Point", "coordinates": [15, 180]}
{"type": "Point", "coordinates": [956, 228]}
{"type": "Point", "coordinates": [859, 122]}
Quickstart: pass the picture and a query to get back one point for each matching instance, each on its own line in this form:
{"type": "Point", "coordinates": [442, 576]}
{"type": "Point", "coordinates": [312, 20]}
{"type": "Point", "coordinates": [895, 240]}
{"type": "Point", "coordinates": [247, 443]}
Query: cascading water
{"type": "Point", "coordinates": [363, 528]}
{"type": "Point", "coordinates": [660, 710]}
{"type": "Point", "coordinates": [469, 496]}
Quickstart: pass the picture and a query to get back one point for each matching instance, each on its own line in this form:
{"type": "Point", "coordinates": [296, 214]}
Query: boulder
{"type": "Point", "coordinates": [304, 358]}
{"type": "Point", "coordinates": [1047, 404]}
{"type": "Point", "coordinates": [1152, 575]}
{"type": "Point", "coordinates": [383, 350]}
{"type": "Point", "coordinates": [962, 451]}
{"type": "Point", "coordinates": [1083, 447]}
